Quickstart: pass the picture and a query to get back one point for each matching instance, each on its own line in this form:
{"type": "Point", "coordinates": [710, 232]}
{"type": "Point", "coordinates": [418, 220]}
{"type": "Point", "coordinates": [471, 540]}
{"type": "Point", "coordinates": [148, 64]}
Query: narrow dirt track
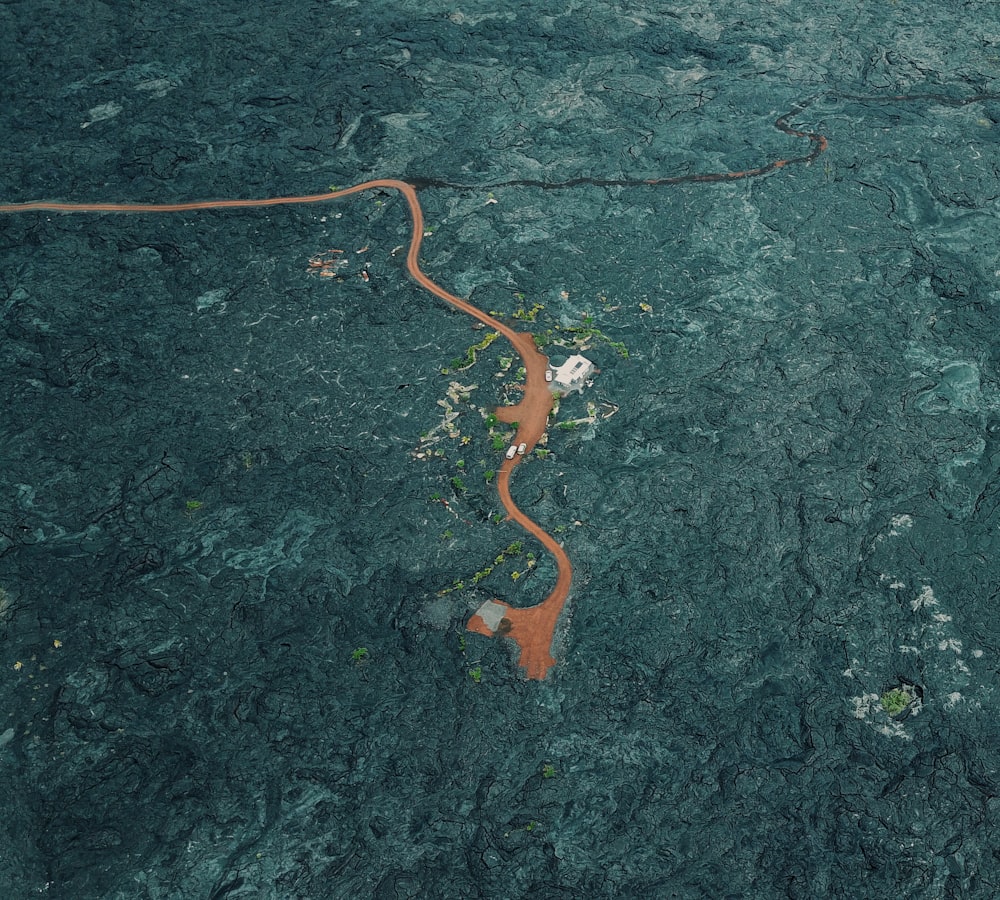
{"type": "Point", "coordinates": [531, 628]}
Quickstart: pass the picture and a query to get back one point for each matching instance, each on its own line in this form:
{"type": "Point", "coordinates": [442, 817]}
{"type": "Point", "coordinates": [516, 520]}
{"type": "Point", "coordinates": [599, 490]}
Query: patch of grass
{"type": "Point", "coordinates": [513, 549]}
{"type": "Point", "coordinates": [589, 332]}
{"type": "Point", "coordinates": [469, 357]}
{"type": "Point", "coordinates": [527, 315]}
{"type": "Point", "coordinates": [896, 700]}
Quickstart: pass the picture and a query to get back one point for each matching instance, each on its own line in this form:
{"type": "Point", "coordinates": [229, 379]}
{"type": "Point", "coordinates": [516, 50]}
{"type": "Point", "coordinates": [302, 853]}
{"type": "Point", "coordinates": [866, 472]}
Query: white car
{"type": "Point", "coordinates": [511, 450]}
{"type": "Point", "coordinates": [521, 448]}
{"type": "Point", "coordinates": [548, 374]}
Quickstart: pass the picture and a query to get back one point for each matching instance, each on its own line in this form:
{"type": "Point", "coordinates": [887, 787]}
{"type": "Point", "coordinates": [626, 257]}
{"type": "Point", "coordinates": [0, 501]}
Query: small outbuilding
{"type": "Point", "coordinates": [572, 375]}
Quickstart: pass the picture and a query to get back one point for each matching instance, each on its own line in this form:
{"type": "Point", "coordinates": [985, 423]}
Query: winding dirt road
{"type": "Point", "coordinates": [532, 628]}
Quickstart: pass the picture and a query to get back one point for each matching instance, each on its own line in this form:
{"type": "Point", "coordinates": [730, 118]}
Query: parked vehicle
{"type": "Point", "coordinates": [521, 448]}
{"type": "Point", "coordinates": [511, 450]}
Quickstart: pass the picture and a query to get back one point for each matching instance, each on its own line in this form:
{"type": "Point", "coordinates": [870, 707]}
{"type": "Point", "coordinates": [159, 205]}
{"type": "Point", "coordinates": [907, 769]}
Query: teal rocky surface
{"type": "Point", "coordinates": [245, 514]}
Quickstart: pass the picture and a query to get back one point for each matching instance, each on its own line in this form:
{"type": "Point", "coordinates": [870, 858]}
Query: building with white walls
{"type": "Point", "coordinates": [572, 375]}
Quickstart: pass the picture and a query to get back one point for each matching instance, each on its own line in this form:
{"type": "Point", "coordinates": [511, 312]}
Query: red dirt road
{"type": "Point", "coordinates": [533, 628]}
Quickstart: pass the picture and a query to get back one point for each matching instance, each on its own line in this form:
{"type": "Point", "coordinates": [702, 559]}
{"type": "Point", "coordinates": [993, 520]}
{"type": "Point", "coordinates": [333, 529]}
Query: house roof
{"type": "Point", "coordinates": [574, 368]}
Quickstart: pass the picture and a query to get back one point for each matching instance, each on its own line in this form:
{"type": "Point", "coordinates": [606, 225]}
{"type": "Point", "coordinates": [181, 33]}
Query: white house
{"type": "Point", "coordinates": [572, 375]}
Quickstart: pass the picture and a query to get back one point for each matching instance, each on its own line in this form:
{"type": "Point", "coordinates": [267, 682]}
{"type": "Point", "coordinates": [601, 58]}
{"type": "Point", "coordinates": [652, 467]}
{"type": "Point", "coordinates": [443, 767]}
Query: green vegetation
{"type": "Point", "coordinates": [469, 357]}
{"type": "Point", "coordinates": [548, 771]}
{"type": "Point", "coordinates": [476, 674]}
{"type": "Point", "coordinates": [192, 506]}
{"type": "Point", "coordinates": [458, 485]}
{"type": "Point", "coordinates": [513, 549]}
{"type": "Point", "coordinates": [359, 654]}
{"type": "Point", "coordinates": [579, 336]}
{"type": "Point", "coordinates": [589, 333]}
{"type": "Point", "coordinates": [527, 315]}
{"type": "Point", "coordinates": [896, 700]}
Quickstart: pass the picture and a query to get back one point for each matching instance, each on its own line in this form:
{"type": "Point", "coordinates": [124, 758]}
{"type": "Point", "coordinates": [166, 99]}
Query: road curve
{"type": "Point", "coordinates": [532, 628]}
